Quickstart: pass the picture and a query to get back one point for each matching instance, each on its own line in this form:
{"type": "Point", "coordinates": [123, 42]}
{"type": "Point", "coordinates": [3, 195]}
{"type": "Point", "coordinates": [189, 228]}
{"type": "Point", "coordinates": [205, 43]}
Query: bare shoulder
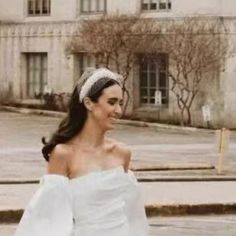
{"type": "Point", "coordinates": [123, 152]}
{"type": "Point", "coordinates": [58, 161]}
{"type": "Point", "coordinates": [123, 149]}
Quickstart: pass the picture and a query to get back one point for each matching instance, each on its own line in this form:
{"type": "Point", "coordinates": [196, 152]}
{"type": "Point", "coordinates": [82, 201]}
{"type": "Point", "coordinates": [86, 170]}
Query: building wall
{"type": "Point", "coordinates": [16, 10]}
{"type": "Point", "coordinates": [67, 10]}
{"type": "Point", "coordinates": [210, 94]}
{"type": "Point", "coordinates": [18, 39]}
{"type": "Point", "coordinates": [11, 10]}
{"type": "Point", "coordinates": [230, 94]}
{"type": "Point", "coordinates": [50, 34]}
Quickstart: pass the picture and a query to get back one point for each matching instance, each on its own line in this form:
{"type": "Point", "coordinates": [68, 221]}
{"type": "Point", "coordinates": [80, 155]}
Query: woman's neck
{"type": "Point", "coordinates": [91, 135]}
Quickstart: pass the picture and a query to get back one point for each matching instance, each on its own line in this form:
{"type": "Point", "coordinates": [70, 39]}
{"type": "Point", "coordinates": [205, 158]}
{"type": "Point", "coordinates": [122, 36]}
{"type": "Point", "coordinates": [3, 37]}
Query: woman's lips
{"type": "Point", "coordinates": [113, 119]}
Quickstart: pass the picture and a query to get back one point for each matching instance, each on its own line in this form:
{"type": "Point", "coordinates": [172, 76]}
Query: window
{"type": "Point", "coordinates": [86, 60]}
{"type": "Point", "coordinates": [39, 7]}
{"type": "Point", "coordinates": [93, 6]}
{"type": "Point", "coordinates": [150, 5]}
{"type": "Point", "coordinates": [37, 73]}
{"type": "Point", "coordinates": [153, 77]}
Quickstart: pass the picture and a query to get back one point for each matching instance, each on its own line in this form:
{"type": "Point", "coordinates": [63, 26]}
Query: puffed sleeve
{"type": "Point", "coordinates": [136, 210]}
{"type": "Point", "coordinates": [49, 213]}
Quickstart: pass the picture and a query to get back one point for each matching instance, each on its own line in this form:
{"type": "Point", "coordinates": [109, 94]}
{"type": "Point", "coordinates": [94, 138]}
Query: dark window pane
{"type": "Point", "coordinates": [144, 100]}
{"type": "Point", "coordinates": [37, 7]}
{"type": "Point", "coordinates": [143, 92]}
{"type": "Point", "coordinates": [153, 6]}
{"type": "Point", "coordinates": [169, 5]}
{"type": "Point", "coordinates": [144, 6]}
{"type": "Point", "coordinates": [152, 101]}
{"type": "Point", "coordinates": [164, 100]}
{"type": "Point", "coordinates": [162, 80]}
{"type": "Point", "coordinates": [152, 92]}
{"type": "Point", "coordinates": [46, 6]}
{"type": "Point", "coordinates": [30, 7]}
{"type": "Point", "coordinates": [162, 5]}
{"type": "Point", "coordinates": [143, 80]}
{"type": "Point", "coordinates": [152, 66]}
{"type": "Point", "coordinates": [163, 92]}
{"type": "Point", "coordinates": [153, 79]}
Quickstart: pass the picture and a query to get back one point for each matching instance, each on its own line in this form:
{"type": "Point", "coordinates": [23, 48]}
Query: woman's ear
{"type": "Point", "coordinates": [88, 103]}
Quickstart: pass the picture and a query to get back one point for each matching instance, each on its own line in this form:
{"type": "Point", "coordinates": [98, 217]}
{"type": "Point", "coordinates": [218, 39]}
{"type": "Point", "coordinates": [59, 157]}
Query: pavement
{"type": "Point", "coordinates": [176, 166]}
{"type": "Point", "coordinates": [212, 225]}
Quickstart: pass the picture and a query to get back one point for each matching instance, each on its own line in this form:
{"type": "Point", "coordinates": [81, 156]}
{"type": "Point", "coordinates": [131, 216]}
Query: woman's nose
{"type": "Point", "coordinates": [118, 110]}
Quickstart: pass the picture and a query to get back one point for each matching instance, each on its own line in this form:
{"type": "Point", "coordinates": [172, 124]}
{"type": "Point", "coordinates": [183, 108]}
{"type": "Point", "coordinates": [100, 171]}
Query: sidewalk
{"type": "Point", "coordinates": [122, 122]}
{"type": "Point", "coordinates": [161, 198]}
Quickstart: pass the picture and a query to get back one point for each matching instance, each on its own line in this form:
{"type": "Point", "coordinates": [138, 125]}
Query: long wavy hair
{"type": "Point", "coordinates": [76, 116]}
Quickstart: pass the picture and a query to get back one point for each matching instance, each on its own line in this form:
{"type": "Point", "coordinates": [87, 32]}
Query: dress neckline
{"type": "Point", "coordinates": [119, 168]}
{"type": "Point", "coordinates": [95, 174]}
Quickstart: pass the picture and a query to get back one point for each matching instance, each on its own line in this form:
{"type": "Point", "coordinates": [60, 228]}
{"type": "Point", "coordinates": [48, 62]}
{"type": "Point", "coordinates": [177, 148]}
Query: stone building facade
{"type": "Point", "coordinates": [33, 35]}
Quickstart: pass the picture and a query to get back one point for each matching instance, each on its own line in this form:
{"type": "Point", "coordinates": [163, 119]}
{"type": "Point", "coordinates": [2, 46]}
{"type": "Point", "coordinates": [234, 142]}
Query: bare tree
{"type": "Point", "coordinates": [114, 41]}
{"type": "Point", "coordinates": [196, 47]}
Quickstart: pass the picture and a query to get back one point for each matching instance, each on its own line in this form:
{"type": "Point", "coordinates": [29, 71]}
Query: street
{"type": "Point", "coordinates": [193, 226]}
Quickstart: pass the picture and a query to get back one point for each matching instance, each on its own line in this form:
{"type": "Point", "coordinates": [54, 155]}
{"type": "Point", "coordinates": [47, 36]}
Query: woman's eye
{"type": "Point", "coordinates": [111, 103]}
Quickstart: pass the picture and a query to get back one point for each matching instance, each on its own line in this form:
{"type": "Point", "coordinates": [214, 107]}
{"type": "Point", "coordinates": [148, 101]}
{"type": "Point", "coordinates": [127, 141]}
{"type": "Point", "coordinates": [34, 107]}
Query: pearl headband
{"type": "Point", "coordinates": [96, 76]}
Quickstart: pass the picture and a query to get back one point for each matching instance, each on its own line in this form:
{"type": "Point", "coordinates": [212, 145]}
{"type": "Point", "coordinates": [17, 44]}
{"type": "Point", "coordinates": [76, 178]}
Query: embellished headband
{"type": "Point", "coordinates": [96, 76]}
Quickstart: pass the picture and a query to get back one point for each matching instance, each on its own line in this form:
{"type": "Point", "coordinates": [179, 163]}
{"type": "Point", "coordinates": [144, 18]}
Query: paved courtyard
{"type": "Point", "coordinates": [176, 226]}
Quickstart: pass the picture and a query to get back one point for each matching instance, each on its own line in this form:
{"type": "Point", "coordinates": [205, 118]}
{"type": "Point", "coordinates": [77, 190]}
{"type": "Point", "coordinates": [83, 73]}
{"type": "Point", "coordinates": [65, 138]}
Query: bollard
{"type": "Point", "coordinates": [222, 146]}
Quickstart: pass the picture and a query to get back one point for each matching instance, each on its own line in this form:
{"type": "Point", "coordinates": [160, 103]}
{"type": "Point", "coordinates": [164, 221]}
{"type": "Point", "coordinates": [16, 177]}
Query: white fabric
{"type": "Point", "coordinates": [104, 203]}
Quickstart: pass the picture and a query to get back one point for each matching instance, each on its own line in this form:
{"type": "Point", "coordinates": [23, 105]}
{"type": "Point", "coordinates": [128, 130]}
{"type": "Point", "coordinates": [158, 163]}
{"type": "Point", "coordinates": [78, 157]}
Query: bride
{"type": "Point", "coordinates": [89, 189]}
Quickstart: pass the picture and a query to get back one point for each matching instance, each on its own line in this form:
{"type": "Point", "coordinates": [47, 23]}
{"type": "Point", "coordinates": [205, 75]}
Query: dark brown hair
{"type": "Point", "coordinates": [76, 116]}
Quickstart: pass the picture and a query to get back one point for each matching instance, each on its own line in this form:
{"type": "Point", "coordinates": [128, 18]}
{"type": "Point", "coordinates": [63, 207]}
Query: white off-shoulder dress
{"type": "Point", "coordinates": [103, 203]}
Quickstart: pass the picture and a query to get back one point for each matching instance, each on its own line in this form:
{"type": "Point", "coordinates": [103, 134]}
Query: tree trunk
{"type": "Point", "coordinates": [125, 92]}
{"type": "Point", "coordinates": [189, 117]}
{"type": "Point", "coordinates": [182, 117]}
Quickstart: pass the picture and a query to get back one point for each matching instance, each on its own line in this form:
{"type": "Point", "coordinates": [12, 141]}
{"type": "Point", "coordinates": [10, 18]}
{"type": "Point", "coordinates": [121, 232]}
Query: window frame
{"type": "Point", "coordinates": [41, 4]}
{"type": "Point", "coordinates": [158, 3]}
{"type": "Point", "coordinates": [98, 7]}
{"type": "Point", "coordinates": [158, 71]}
{"type": "Point", "coordinates": [36, 63]}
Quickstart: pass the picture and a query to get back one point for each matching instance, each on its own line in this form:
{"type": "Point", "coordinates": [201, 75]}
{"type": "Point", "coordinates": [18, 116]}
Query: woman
{"type": "Point", "coordinates": [89, 189]}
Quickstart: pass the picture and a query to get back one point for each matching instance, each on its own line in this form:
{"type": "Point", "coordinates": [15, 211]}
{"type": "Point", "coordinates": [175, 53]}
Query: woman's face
{"type": "Point", "coordinates": [108, 108]}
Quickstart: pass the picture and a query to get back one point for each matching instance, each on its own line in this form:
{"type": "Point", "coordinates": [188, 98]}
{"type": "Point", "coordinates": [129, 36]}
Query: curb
{"type": "Point", "coordinates": [10, 216]}
{"type": "Point", "coordinates": [18, 181]}
{"type": "Point", "coordinates": [33, 111]}
{"type": "Point", "coordinates": [121, 121]}
{"type": "Point", "coordinates": [142, 179]}
{"type": "Point", "coordinates": [185, 209]}
{"type": "Point", "coordinates": [14, 216]}
{"type": "Point", "coordinates": [174, 167]}
{"type": "Point", "coordinates": [187, 179]}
